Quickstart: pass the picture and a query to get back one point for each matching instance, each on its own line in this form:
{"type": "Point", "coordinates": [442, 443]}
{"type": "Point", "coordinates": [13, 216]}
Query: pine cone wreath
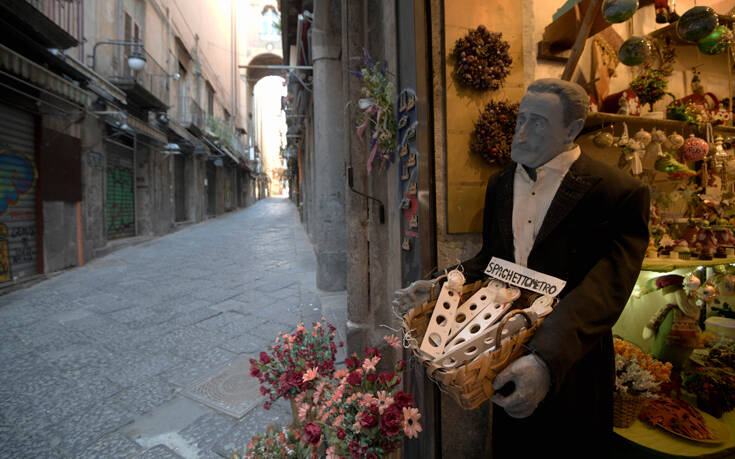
{"type": "Point", "coordinates": [493, 134]}
{"type": "Point", "coordinates": [481, 59]}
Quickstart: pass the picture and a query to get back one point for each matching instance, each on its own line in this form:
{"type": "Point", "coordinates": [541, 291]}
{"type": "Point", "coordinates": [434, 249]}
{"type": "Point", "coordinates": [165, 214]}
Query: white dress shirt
{"type": "Point", "coordinates": [531, 200]}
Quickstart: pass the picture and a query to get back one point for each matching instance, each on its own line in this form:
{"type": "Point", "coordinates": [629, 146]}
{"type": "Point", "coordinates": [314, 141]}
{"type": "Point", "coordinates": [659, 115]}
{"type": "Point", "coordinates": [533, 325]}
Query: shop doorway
{"type": "Point", "coordinates": [18, 182]}
{"type": "Point", "coordinates": [120, 195]}
{"type": "Point", "coordinates": [180, 188]}
{"type": "Point", "coordinates": [211, 189]}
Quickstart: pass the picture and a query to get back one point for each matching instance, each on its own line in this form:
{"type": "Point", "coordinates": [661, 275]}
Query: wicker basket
{"type": "Point", "coordinates": [626, 408]}
{"type": "Point", "coordinates": [472, 383]}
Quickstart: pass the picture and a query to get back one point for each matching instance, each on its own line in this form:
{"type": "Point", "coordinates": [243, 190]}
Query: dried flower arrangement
{"type": "Point", "coordinates": [638, 373]}
{"type": "Point", "coordinates": [481, 59]}
{"type": "Point", "coordinates": [493, 134]}
{"type": "Point", "coordinates": [377, 100]}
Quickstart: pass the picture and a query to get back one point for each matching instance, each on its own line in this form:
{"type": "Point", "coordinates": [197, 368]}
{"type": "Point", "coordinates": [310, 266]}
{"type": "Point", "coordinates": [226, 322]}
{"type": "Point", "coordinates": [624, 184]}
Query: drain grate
{"type": "Point", "coordinates": [231, 390]}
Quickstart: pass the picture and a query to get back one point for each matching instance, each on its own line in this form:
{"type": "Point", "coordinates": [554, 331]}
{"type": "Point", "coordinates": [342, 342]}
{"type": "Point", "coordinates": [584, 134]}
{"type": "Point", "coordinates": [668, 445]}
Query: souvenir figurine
{"type": "Point", "coordinates": [666, 244]}
{"type": "Point", "coordinates": [651, 250]}
{"type": "Point", "coordinates": [706, 241]}
{"type": "Point", "coordinates": [674, 328]}
{"type": "Point", "coordinates": [682, 250]}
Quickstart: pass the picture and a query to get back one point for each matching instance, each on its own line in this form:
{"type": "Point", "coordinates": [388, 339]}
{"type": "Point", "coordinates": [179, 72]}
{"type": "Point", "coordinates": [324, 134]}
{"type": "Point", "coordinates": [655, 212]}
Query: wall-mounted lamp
{"type": "Point", "coordinates": [136, 61]}
{"type": "Point", "coordinates": [177, 76]}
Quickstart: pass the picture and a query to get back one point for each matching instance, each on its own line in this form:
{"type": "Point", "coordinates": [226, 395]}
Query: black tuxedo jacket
{"type": "Point", "coordinates": [594, 236]}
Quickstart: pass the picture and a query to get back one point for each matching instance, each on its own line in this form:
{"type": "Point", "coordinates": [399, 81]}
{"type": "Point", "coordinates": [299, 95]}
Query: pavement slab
{"type": "Point", "coordinates": [96, 359]}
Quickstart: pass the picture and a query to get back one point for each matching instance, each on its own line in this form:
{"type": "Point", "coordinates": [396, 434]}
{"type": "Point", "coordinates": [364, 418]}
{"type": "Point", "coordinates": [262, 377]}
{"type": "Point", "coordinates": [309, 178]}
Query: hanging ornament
{"type": "Point", "coordinates": [634, 51]}
{"type": "Point", "coordinates": [716, 42]}
{"type": "Point", "coordinates": [696, 23]}
{"type": "Point", "coordinates": [603, 139]}
{"type": "Point", "coordinates": [694, 149]}
{"type": "Point", "coordinates": [676, 141]}
{"type": "Point", "coordinates": [616, 11]}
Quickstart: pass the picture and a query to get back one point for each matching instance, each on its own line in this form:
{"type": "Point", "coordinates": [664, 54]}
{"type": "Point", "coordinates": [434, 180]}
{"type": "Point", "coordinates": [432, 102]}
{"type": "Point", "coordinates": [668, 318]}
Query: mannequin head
{"type": "Point", "coordinates": [551, 115]}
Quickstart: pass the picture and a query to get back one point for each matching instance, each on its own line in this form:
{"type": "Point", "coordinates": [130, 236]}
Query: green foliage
{"type": "Point", "coordinates": [650, 86]}
{"type": "Point", "coordinates": [221, 129]}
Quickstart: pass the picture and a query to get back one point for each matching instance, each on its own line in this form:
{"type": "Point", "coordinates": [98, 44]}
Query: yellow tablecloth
{"type": "Point", "coordinates": [661, 441]}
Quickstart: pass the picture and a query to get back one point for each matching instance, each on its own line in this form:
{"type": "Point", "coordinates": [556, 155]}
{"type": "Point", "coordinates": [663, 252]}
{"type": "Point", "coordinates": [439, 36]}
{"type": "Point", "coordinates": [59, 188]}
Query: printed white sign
{"type": "Point", "coordinates": [523, 277]}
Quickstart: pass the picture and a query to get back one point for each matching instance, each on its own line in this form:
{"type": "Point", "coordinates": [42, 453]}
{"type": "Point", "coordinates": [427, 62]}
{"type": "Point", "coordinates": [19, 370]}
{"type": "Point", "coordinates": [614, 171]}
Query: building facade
{"type": "Point", "coordinates": [121, 120]}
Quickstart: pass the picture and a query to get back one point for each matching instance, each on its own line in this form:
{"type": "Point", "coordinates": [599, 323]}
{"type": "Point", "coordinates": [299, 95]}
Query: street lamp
{"type": "Point", "coordinates": [136, 61]}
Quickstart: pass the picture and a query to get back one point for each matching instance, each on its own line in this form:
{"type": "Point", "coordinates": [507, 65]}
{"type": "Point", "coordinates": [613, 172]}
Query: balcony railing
{"type": "Point", "coordinates": [147, 88]}
{"type": "Point", "coordinates": [190, 115]}
{"type": "Point", "coordinates": [66, 14]}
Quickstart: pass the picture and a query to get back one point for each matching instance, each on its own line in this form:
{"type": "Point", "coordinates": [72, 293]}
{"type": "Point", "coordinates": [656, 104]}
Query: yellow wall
{"type": "Point", "coordinates": [467, 174]}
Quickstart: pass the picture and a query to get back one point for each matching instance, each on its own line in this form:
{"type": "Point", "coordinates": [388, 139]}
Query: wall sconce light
{"type": "Point", "coordinates": [136, 61]}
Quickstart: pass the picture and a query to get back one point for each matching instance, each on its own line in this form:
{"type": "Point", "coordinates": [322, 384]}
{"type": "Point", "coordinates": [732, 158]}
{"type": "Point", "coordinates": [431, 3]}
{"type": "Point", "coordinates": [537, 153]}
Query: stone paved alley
{"type": "Point", "coordinates": [126, 356]}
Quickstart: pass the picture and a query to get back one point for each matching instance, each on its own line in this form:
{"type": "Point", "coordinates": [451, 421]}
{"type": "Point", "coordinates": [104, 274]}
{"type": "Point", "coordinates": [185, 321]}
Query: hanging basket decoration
{"type": "Point", "coordinates": [635, 50]}
{"type": "Point", "coordinates": [716, 42]}
{"type": "Point", "coordinates": [481, 59]}
{"type": "Point", "coordinates": [697, 23]}
{"type": "Point", "coordinates": [616, 11]}
{"type": "Point", "coordinates": [493, 134]}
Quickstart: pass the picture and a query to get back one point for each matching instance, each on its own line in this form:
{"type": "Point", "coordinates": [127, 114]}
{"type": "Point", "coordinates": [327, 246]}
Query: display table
{"type": "Point", "coordinates": [641, 440]}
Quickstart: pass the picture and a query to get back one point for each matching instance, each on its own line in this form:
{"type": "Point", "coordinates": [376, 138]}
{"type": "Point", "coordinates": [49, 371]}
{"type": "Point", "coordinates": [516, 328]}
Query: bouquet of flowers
{"type": "Point", "coordinates": [294, 362]}
{"type": "Point", "coordinates": [632, 367]}
{"type": "Point", "coordinates": [276, 442]}
{"type": "Point", "coordinates": [359, 412]}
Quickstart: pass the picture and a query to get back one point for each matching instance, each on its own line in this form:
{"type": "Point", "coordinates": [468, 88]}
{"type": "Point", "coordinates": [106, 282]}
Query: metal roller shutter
{"type": "Point", "coordinates": [120, 197]}
{"type": "Point", "coordinates": [18, 182]}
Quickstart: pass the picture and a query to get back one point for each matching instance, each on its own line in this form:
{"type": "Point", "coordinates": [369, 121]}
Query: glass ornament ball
{"type": "Point", "coordinates": [716, 42]}
{"type": "Point", "coordinates": [634, 51]}
{"type": "Point", "coordinates": [697, 23]}
{"type": "Point", "coordinates": [616, 11]}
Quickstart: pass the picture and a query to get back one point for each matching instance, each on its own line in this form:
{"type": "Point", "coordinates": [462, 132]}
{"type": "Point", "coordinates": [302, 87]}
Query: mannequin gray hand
{"type": "Point", "coordinates": [532, 382]}
{"type": "Point", "coordinates": [414, 295]}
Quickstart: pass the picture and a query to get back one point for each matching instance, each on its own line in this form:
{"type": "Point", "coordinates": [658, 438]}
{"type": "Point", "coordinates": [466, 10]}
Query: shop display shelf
{"type": "Point", "coordinates": [598, 120]}
{"type": "Point", "coordinates": [669, 31]}
{"type": "Point", "coordinates": [668, 264]}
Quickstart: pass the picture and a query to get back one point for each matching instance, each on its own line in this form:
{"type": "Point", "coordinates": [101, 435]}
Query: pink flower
{"type": "Point", "coordinates": [331, 453]}
{"type": "Point", "coordinates": [310, 374]}
{"type": "Point", "coordinates": [393, 341]}
{"type": "Point", "coordinates": [411, 426]}
{"type": "Point", "coordinates": [341, 373]}
{"type": "Point", "coordinates": [303, 410]}
{"type": "Point", "coordinates": [369, 363]}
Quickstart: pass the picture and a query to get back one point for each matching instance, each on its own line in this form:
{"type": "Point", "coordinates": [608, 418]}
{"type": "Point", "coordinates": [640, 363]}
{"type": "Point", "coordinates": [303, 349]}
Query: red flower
{"type": "Point", "coordinates": [390, 422]}
{"type": "Point", "coordinates": [400, 365]}
{"type": "Point", "coordinates": [352, 363]}
{"type": "Point", "coordinates": [403, 399]}
{"type": "Point", "coordinates": [369, 418]}
{"type": "Point", "coordinates": [354, 378]}
{"type": "Point", "coordinates": [265, 358]}
{"type": "Point", "coordinates": [371, 456]}
{"type": "Point", "coordinates": [372, 352]}
{"type": "Point", "coordinates": [386, 378]}
{"type": "Point", "coordinates": [341, 434]}
{"type": "Point", "coordinates": [254, 371]}
{"type": "Point", "coordinates": [313, 433]}
{"type": "Point", "coordinates": [371, 377]}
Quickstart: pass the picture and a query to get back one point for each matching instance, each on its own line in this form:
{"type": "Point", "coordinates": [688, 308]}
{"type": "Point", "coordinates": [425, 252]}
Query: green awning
{"type": "Point", "coordinates": [30, 71]}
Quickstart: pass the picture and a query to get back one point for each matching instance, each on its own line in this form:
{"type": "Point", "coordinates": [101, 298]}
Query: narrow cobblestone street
{"type": "Point", "coordinates": [99, 361]}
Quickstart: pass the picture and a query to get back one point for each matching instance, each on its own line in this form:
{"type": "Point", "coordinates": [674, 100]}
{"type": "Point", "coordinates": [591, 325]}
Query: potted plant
{"type": "Point", "coordinates": [650, 87]}
{"type": "Point", "coordinates": [359, 412]}
{"type": "Point", "coordinates": [294, 363]}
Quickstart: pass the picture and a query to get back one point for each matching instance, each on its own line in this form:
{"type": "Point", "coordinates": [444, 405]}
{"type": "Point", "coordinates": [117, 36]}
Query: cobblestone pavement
{"type": "Point", "coordinates": [96, 361]}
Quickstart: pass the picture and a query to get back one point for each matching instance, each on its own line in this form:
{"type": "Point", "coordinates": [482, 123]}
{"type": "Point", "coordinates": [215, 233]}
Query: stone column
{"type": "Point", "coordinates": [329, 202]}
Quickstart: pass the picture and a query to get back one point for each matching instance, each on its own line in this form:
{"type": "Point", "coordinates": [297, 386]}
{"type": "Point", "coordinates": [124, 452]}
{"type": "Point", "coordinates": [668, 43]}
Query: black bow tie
{"type": "Point", "coordinates": [531, 172]}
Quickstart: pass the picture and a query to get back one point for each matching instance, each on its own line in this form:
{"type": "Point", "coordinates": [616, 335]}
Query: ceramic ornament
{"type": "Point", "coordinates": [623, 139]}
{"type": "Point", "coordinates": [676, 141]}
{"type": "Point", "coordinates": [634, 51]}
{"type": "Point", "coordinates": [697, 23]}
{"type": "Point", "coordinates": [437, 333]}
{"type": "Point", "coordinates": [615, 11]}
{"type": "Point", "coordinates": [643, 137]}
{"type": "Point", "coordinates": [716, 42]}
{"type": "Point", "coordinates": [694, 149]}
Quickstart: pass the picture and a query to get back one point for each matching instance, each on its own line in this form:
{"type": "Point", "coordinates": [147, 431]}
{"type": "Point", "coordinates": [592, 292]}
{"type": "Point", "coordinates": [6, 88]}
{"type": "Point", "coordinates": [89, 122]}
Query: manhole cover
{"type": "Point", "coordinates": [231, 390]}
